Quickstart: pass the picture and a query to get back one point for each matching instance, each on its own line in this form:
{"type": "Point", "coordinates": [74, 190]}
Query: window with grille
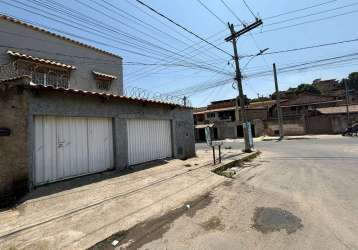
{"type": "Point", "coordinates": [44, 75]}
{"type": "Point", "coordinates": [103, 84]}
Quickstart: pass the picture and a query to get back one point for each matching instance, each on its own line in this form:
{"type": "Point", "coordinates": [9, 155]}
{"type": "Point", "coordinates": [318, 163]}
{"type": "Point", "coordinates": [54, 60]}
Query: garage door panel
{"type": "Point", "coordinates": [148, 140]}
{"type": "Point", "coordinates": [49, 142]}
{"type": "Point", "coordinates": [39, 148]}
{"type": "Point", "coordinates": [78, 147]}
{"type": "Point", "coordinates": [71, 146]}
{"type": "Point", "coordinates": [100, 144]}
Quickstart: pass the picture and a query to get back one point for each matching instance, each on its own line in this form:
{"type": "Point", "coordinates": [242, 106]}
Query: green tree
{"type": "Point", "coordinates": [353, 80]}
{"type": "Point", "coordinates": [309, 88]}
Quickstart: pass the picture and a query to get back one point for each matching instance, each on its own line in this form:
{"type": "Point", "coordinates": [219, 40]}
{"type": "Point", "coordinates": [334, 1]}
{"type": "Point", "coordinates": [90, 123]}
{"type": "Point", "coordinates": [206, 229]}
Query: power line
{"type": "Point", "coordinates": [167, 60]}
{"type": "Point", "coordinates": [248, 7]}
{"type": "Point", "coordinates": [90, 31]}
{"type": "Point", "coordinates": [307, 63]}
{"type": "Point", "coordinates": [307, 22]}
{"type": "Point", "coordinates": [96, 34]}
{"type": "Point", "coordinates": [129, 44]}
{"type": "Point", "coordinates": [210, 11]}
{"type": "Point", "coordinates": [304, 66]}
{"type": "Point", "coordinates": [232, 12]}
{"type": "Point", "coordinates": [107, 25]}
{"type": "Point", "coordinates": [298, 10]}
{"type": "Point", "coordinates": [153, 27]}
{"type": "Point", "coordinates": [251, 35]}
{"type": "Point", "coordinates": [312, 14]}
{"type": "Point", "coordinates": [307, 47]}
{"type": "Point", "coordinates": [182, 27]}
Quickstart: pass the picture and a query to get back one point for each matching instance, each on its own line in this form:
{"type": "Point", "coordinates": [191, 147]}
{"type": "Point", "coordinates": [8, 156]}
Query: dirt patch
{"type": "Point", "coordinates": [267, 220]}
{"type": "Point", "coordinates": [214, 223]}
{"type": "Point", "coordinates": [153, 229]}
{"type": "Point", "coordinates": [198, 204]}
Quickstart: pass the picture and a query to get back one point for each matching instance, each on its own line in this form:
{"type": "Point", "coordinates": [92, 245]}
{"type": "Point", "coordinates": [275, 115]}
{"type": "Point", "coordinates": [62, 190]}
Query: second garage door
{"type": "Point", "coordinates": [148, 140]}
{"type": "Point", "coordinates": [71, 146]}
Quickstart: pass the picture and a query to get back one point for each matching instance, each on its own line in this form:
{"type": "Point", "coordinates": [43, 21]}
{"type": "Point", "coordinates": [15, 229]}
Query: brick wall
{"type": "Point", "coordinates": [13, 148]}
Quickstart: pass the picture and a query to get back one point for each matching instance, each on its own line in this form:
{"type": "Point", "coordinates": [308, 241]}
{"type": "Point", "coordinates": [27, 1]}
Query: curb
{"type": "Point", "coordinates": [224, 166]}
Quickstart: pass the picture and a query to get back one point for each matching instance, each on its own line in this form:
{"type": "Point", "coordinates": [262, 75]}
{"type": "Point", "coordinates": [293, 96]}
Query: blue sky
{"type": "Point", "coordinates": [160, 42]}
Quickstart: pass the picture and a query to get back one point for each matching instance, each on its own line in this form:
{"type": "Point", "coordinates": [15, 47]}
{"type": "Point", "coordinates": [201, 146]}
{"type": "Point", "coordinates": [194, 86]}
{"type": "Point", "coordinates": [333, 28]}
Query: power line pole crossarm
{"type": "Point", "coordinates": [238, 78]}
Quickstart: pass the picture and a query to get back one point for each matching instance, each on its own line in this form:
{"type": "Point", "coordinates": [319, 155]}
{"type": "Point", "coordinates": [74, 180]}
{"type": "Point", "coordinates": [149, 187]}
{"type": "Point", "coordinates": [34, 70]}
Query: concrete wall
{"type": "Point", "coordinates": [13, 150]}
{"type": "Point", "coordinates": [254, 114]}
{"type": "Point", "coordinates": [319, 124]}
{"type": "Point", "coordinates": [259, 127]}
{"type": "Point", "coordinates": [19, 38]}
{"type": "Point", "coordinates": [227, 131]}
{"type": "Point", "coordinates": [293, 126]}
{"type": "Point", "coordinates": [339, 122]}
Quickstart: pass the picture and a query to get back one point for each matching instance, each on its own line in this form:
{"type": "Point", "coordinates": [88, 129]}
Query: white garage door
{"type": "Point", "coordinates": [71, 146]}
{"type": "Point", "coordinates": [148, 140]}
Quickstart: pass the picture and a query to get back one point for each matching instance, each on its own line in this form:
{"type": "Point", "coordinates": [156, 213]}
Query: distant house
{"type": "Point", "coordinates": [298, 111]}
{"type": "Point", "coordinates": [63, 113]}
{"type": "Point", "coordinates": [295, 111]}
{"type": "Point", "coordinates": [225, 120]}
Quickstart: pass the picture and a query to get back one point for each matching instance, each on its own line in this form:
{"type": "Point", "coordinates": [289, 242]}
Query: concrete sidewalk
{"type": "Point", "coordinates": [77, 214]}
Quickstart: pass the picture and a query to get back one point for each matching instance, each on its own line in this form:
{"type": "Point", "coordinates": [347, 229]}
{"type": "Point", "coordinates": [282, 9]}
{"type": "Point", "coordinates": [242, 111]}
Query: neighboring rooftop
{"type": "Point", "coordinates": [338, 110]}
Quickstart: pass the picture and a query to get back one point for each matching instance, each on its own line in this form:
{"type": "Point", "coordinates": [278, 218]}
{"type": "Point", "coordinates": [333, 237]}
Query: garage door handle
{"type": "Point", "coordinates": [60, 144]}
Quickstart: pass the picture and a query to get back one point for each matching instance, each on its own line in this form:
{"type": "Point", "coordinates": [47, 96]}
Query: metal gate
{"type": "Point", "coordinates": [71, 146]}
{"type": "Point", "coordinates": [148, 140]}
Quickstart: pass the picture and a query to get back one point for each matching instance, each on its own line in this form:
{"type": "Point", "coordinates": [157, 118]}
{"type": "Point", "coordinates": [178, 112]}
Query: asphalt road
{"type": "Point", "coordinates": [299, 194]}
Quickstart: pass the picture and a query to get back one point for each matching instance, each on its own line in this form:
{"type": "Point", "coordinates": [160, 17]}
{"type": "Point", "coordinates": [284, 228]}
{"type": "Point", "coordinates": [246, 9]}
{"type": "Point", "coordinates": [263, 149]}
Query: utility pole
{"type": "Point", "coordinates": [184, 100]}
{"type": "Point", "coordinates": [347, 100]}
{"type": "Point", "coordinates": [238, 77]}
{"type": "Point", "coordinates": [278, 104]}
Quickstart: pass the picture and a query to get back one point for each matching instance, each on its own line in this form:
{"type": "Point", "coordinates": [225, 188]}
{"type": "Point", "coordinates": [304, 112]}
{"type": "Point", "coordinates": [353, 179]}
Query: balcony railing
{"type": "Point", "coordinates": [40, 74]}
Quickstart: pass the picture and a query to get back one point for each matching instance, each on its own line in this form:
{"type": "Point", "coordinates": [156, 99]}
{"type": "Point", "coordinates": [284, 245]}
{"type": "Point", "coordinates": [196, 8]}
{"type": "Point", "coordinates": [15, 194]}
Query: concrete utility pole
{"type": "Point", "coordinates": [238, 77]}
{"type": "Point", "coordinates": [278, 104]}
{"type": "Point", "coordinates": [347, 101]}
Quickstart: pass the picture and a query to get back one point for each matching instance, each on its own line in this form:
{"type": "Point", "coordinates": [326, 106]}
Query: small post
{"type": "Point", "coordinates": [219, 153]}
{"type": "Point", "coordinates": [278, 104]}
{"type": "Point", "coordinates": [347, 101]}
{"type": "Point", "coordinates": [214, 154]}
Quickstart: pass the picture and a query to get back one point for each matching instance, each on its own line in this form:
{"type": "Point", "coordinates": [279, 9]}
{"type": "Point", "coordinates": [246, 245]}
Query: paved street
{"type": "Point", "coordinates": [299, 194]}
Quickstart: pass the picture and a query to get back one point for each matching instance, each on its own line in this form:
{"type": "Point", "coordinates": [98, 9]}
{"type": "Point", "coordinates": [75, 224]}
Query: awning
{"type": "Point", "coordinates": [103, 75]}
{"type": "Point", "coordinates": [204, 125]}
{"type": "Point", "coordinates": [41, 60]}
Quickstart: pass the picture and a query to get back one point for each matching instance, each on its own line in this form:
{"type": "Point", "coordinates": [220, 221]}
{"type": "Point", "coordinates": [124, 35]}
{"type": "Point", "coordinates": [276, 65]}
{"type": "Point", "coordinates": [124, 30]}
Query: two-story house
{"type": "Point", "coordinates": [63, 113]}
{"type": "Point", "coordinates": [224, 119]}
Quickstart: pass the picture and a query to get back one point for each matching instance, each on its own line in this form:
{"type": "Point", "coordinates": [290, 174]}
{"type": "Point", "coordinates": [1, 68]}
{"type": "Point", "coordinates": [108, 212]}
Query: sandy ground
{"type": "Point", "coordinates": [299, 194]}
{"type": "Point", "coordinates": [78, 213]}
